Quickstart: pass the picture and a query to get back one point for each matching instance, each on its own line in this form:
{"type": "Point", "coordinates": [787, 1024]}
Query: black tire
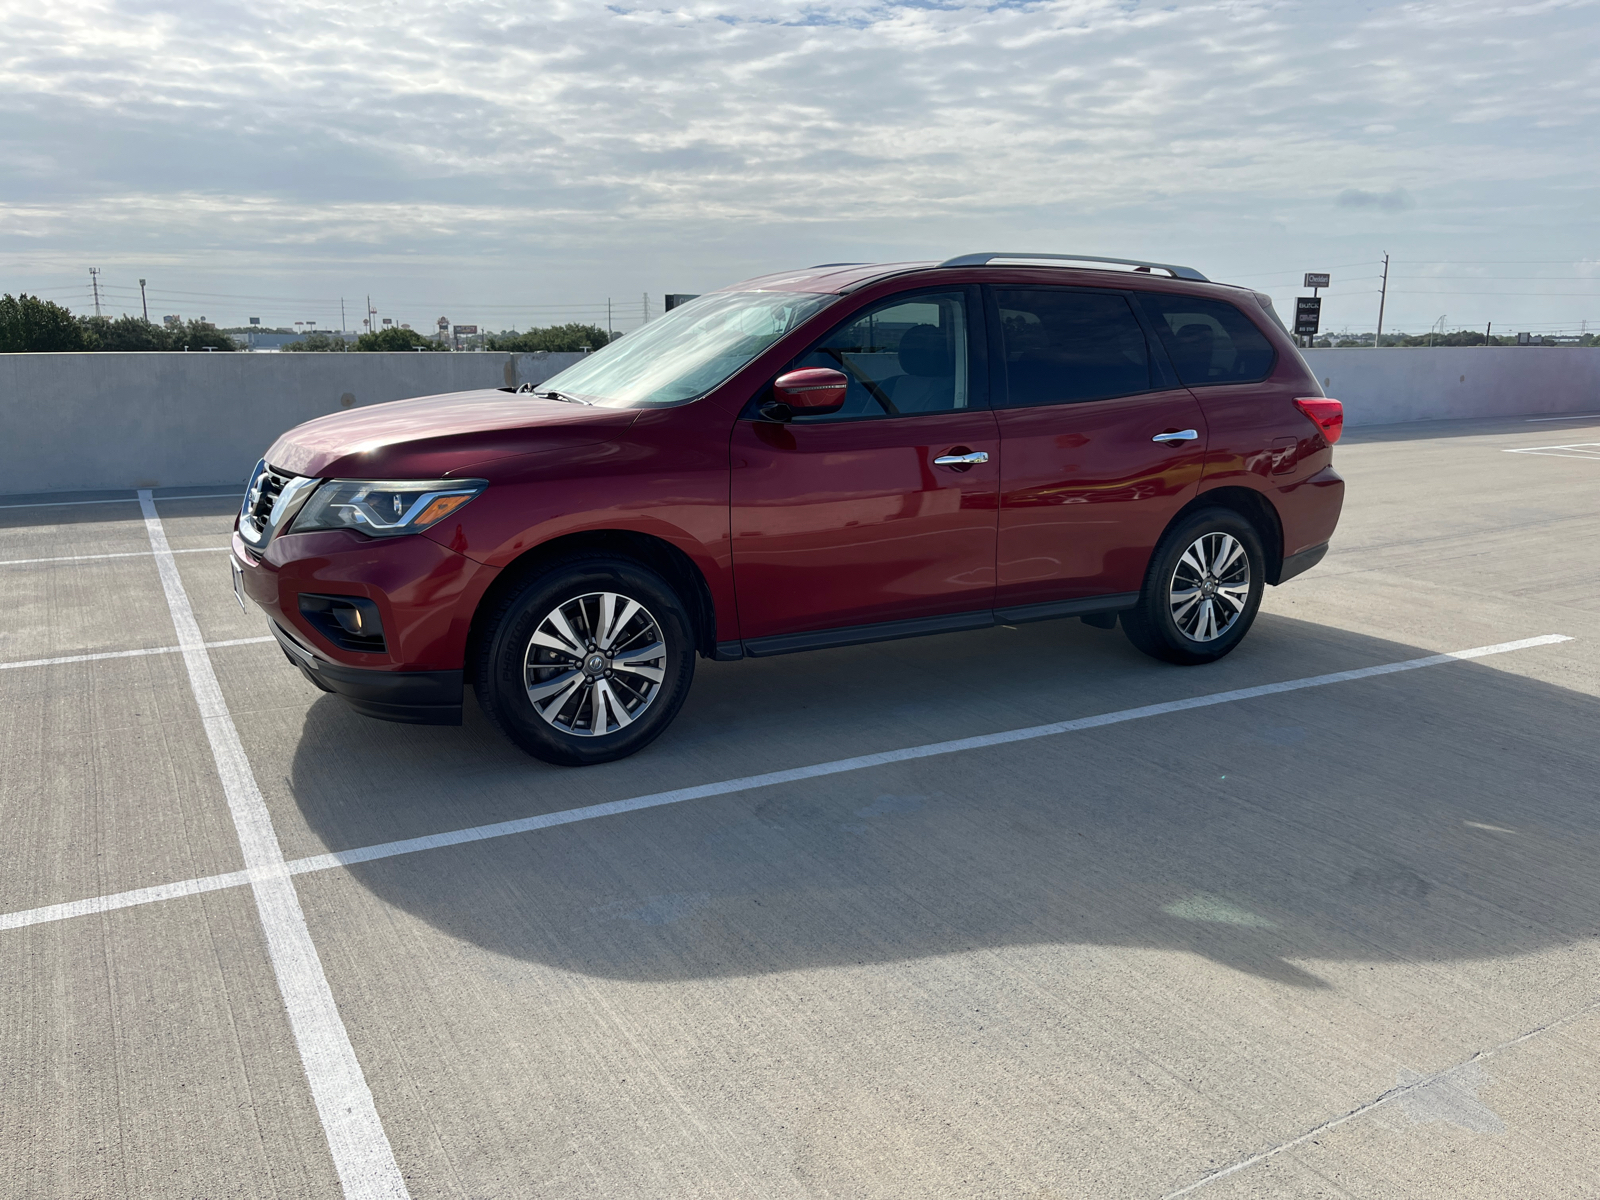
{"type": "Point", "coordinates": [1153, 626]}
{"type": "Point", "coordinates": [511, 668]}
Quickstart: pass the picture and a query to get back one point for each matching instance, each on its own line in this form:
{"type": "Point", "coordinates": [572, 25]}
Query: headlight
{"type": "Point", "coordinates": [385, 508]}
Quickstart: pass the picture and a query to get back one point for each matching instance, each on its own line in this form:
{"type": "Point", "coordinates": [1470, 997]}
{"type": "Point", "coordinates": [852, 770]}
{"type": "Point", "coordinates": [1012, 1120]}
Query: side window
{"type": "Point", "coordinates": [1063, 346]}
{"type": "Point", "coordinates": [907, 355]}
{"type": "Point", "coordinates": [1209, 341]}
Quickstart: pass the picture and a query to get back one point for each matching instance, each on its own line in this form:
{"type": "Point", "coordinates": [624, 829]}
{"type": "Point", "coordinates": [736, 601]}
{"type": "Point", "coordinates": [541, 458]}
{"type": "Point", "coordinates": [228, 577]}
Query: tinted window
{"type": "Point", "coordinates": [1209, 341]}
{"type": "Point", "coordinates": [1062, 346]}
{"type": "Point", "coordinates": [908, 355]}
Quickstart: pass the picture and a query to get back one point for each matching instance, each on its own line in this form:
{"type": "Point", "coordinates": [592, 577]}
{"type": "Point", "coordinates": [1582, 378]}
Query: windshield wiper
{"type": "Point", "coordinates": [564, 396]}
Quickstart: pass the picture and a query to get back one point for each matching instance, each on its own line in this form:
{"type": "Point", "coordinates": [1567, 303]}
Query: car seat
{"type": "Point", "coordinates": [929, 383]}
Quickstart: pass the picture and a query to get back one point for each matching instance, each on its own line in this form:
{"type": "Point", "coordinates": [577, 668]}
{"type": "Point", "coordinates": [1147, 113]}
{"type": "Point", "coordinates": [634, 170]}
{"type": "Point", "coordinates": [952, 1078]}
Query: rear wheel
{"type": "Point", "coordinates": [1201, 591]}
{"type": "Point", "coordinates": [586, 662]}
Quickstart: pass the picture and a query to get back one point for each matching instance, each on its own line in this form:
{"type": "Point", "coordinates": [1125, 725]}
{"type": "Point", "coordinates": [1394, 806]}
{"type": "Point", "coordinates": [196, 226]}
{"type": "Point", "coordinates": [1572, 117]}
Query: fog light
{"type": "Point", "coordinates": [349, 622]}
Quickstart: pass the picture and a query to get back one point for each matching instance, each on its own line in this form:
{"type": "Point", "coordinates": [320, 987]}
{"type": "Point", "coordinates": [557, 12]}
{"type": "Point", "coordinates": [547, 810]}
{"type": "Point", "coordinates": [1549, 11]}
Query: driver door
{"type": "Point", "coordinates": [862, 524]}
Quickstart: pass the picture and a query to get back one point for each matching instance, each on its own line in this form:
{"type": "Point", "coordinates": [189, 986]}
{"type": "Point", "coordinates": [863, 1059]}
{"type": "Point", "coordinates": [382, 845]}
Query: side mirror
{"type": "Point", "coordinates": [812, 391]}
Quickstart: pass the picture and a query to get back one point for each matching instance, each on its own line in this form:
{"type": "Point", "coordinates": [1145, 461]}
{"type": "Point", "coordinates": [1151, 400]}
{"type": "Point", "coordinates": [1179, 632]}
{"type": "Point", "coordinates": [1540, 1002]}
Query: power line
{"type": "Point", "coordinates": [1410, 291]}
{"type": "Point", "coordinates": [1336, 267]}
{"type": "Point", "coordinates": [1491, 262]}
{"type": "Point", "coordinates": [1497, 278]}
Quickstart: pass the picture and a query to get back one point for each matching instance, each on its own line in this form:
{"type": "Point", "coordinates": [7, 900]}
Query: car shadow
{"type": "Point", "coordinates": [1443, 813]}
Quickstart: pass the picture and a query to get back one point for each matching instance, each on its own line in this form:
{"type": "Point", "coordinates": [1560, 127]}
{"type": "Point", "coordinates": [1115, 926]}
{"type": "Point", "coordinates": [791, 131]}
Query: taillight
{"type": "Point", "coordinates": [1328, 415]}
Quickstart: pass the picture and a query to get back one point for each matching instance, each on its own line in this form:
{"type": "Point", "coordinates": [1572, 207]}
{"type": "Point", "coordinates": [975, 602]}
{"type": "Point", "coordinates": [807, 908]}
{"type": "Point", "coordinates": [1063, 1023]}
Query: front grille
{"type": "Point", "coordinates": [255, 517]}
{"type": "Point", "coordinates": [264, 491]}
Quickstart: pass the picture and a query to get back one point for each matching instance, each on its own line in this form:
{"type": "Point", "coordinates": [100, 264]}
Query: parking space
{"type": "Point", "coordinates": [147, 1054]}
{"type": "Point", "coordinates": [1011, 912]}
{"type": "Point", "coordinates": [109, 783]}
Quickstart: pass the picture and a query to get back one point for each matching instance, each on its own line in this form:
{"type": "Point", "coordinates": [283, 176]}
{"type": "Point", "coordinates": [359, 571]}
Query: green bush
{"type": "Point", "coordinates": [318, 342]}
{"type": "Point", "coordinates": [395, 338]}
{"type": "Point", "coordinates": [129, 333]}
{"type": "Point", "coordinates": [136, 334]}
{"type": "Point", "coordinates": [34, 326]}
{"type": "Point", "coordinates": [557, 338]}
{"type": "Point", "coordinates": [29, 325]}
{"type": "Point", "coordinates": [198, 336]}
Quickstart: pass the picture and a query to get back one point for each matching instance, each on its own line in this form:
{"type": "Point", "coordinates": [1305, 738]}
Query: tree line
{"type": "Point", "coordinates": [554, 339]}
{"type": "Point", "coordinates": [1456, 337]}
{"type": "Point", "coordinates": [31, 325]}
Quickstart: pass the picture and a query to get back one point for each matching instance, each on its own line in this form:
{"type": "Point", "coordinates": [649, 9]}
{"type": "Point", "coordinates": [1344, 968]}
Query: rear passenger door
{"type": "Point", "coordinates": [1099, 446]}
{"type": "Point", "coordinates": [1229, 364]}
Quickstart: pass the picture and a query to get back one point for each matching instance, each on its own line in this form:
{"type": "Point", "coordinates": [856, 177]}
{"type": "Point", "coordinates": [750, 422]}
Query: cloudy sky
{"type": "Point", "coordinates": [514, 163]}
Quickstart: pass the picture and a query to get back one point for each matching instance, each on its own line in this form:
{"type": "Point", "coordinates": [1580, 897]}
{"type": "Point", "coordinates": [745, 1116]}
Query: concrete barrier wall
{"type": "Point", "coordinates": [1386, 387]}
{"type": "Point", "coordinates": [82, 421]}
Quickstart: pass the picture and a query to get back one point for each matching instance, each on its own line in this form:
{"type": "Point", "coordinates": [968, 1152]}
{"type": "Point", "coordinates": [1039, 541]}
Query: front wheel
{"type": "Point", "coordinates": [1201, 591]}
{"type": "Point", "coordinates": [586, 662]}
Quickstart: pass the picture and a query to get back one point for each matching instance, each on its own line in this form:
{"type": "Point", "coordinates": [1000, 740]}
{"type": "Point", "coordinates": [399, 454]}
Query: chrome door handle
{"type": "Point", "coordinates": [961, 460]}
{"type": "Point", "coordinates": [1183, 435]}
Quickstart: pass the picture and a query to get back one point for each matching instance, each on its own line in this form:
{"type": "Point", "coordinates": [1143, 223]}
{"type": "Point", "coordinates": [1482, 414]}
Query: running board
{"type": "Point", "coordinates": [888, 631]}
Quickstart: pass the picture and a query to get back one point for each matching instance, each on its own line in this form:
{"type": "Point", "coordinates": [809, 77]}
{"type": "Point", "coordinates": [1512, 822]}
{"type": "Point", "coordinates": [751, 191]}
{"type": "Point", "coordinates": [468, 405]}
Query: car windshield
{"type": "Point", "coordinates": [687, 352]}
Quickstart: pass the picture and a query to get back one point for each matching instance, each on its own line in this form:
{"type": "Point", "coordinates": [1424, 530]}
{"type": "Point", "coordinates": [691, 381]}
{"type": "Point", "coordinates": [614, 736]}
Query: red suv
{"type": "Point", "coordinates": [831, 456]}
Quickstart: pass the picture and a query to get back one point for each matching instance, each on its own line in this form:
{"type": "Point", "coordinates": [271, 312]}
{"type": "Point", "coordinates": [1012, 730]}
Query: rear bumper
{"type": "Point", "coordinates": [1298, 564]}
{"type": "Point", "coordinates": [409, 697]}
{"type": "Point", "coordinates": [1309, 510]}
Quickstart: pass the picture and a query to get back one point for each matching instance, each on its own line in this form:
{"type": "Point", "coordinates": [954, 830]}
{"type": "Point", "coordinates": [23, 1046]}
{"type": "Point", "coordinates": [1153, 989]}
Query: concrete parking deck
{"type": "Point", "coordinates": [1017, 912]}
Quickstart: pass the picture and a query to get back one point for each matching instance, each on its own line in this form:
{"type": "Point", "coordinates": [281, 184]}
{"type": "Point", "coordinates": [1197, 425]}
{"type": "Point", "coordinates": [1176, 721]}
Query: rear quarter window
{"type": "Point", "coordinates": [1209, 341]}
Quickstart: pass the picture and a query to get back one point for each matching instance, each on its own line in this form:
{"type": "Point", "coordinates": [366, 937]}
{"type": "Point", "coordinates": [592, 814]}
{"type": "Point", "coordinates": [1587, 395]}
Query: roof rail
{"type": "Point", "coordinates": [978, 260]}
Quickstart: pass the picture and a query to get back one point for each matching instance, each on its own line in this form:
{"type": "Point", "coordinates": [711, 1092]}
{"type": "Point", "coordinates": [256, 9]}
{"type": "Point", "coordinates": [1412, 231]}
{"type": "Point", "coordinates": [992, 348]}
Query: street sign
{"type": "Point", "coordinates": [466, 329]}
{"type": "Point", "coordinates": [1307, 315]}
{"type": "Point", "coordinates": [1316, 279]}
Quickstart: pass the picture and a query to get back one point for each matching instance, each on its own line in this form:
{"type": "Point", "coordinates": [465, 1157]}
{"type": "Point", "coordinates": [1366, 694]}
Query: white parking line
{"type": "Point", "coordinates": [103, 904]}
{"type": "Point", "coordinates": [74, 658]}
{"type": "Point", "coordinates": [480, 833]}
{"type": "Point", "coordinates": [124, 500]}
{"type": "Point", "coordinates": [1575, 450]}
{"type": "Point", "coordinates": [361, 1152]}
{"type": "Point", "coordinates": [18, 562]}
{"type": "Point", "coordinates": [1573, 417]}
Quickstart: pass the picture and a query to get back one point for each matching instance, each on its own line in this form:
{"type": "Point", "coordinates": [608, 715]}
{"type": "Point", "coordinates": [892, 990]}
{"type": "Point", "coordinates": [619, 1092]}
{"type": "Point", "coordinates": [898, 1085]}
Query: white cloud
{"type": "Point", "coordinates": [465, 147]}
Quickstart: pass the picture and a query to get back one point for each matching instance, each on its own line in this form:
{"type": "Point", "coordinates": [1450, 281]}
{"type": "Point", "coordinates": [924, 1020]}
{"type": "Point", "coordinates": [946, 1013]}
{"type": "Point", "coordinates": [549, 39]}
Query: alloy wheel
{"type": "Point", "coordinates": [1210, 587]}
{"type": "Point", "coordinates": [594, 664]}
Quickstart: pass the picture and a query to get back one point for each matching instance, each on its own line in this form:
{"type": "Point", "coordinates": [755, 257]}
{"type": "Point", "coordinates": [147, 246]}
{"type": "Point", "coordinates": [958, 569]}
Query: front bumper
{"type": "Point", "coordinates": [426, 594]}
{"type": "Point", "coordinates": [409, 697]}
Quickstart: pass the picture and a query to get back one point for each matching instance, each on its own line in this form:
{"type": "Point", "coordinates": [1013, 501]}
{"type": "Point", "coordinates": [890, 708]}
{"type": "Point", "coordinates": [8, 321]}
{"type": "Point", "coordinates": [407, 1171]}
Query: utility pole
{"type": "Point", "coordinates": [94, 282]}
{"type": "Point", "coordinates": [1383, 296]}
{"type": "Point", "coordinates": [646, 298]}
{"type": "Point", "coordinates": [1486, 330]}
{"type": "Point", "coordinates": [608, 318]}
{"type": "Point", "coordinates": [341, 314]}
{"type": "Point", "coordinates": [142, 303]}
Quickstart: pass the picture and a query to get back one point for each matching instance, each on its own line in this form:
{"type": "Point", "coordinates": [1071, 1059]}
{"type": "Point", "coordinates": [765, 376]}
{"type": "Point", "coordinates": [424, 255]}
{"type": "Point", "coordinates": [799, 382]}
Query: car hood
{"type": "Point", "coordinates": [430, 436]}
